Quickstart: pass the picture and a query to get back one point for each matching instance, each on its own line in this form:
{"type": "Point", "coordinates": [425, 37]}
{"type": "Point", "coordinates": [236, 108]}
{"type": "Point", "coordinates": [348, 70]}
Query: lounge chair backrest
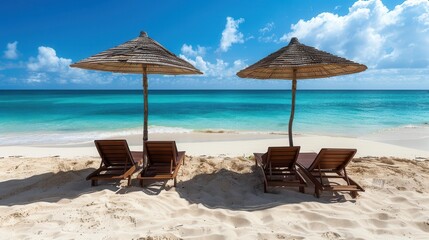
{"type": "Point", "coordinates": [282, 156]}
{"type": "Point", "coordinates": [333, 158]}
{"type": "Point", "coordinates": [161, 152]}
{"type": "Point", "coordinates": [114, 152]}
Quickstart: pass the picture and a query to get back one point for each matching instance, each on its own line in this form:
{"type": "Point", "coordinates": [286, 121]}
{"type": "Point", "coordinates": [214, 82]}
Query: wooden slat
{"type": "Point", "coordinates": [329, 166]}
{"type": "Point", "coordinates": [161, 154]}
{"type": "Point", "coordinates": [285, 184]}
{"type": "Point", "coordinates": [113, 150]}
{"type": "Point", "coordinates": [161, 160]}
{"type": "Point", "coordinates": [330, 161]}
{"type": "Point", "coordinates": [341, 188]}
{"type": "Point", "coordinates": [284, 154]}
{"type": "Point", "coordinates": [156, 176]}
{"type": "Point", "coordinates": [117, 162]}
{"type": "Point", "coordinates": [280, 158]}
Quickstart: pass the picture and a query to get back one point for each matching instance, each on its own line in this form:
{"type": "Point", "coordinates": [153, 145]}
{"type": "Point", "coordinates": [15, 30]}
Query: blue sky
{"type": "Point", "coordinates": [39, 39]}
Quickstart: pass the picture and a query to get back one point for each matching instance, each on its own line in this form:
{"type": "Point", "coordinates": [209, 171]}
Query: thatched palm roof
{"type": "Point", "coordinates": [309, 62]}
{"type": "Point", "coordinates": [129, 57]}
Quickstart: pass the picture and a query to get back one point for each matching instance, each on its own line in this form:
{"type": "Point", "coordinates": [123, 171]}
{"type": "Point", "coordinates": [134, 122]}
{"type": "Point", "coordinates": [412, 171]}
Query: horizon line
{"type": "Point", "coordinates": [217, 89]}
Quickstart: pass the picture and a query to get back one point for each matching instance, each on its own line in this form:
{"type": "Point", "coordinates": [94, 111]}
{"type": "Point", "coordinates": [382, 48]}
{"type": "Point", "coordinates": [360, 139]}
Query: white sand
{"type": "Point", "coordinates": [219, 197]}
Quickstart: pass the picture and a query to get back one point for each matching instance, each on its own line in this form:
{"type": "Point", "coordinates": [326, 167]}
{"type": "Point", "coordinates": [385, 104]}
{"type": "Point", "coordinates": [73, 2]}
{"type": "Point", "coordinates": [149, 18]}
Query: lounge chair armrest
{"type": "Point", "coordinates": [310, 176]}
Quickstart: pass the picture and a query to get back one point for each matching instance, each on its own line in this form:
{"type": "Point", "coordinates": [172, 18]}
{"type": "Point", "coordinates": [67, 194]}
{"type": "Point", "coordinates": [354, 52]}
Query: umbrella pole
{"type": "Point", "coordinates": [145, 103]}
{"type": "Point", "coordinates": [292, 110]}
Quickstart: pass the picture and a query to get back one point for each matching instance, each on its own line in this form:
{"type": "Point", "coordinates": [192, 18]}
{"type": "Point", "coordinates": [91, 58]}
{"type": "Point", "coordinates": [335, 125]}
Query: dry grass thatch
{"type": "Point", "coordinates": [131, 56]}
{"type": "Point", "coordinates": [308, 62]}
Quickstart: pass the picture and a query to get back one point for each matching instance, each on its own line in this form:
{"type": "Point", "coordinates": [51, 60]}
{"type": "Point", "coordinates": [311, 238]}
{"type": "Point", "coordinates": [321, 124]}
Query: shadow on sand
{"type": "Point", "coordinates": [51, 187]}
{"type": "Point", "coordinates": [244, 191]}
{"type": "Point", "coordinates": [223, 188]}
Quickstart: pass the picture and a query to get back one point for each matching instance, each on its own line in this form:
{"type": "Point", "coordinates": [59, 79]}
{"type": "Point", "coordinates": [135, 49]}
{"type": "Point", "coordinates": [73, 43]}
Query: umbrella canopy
{"type": "Point", "coordinates": [140, 55]}
{"type": "Point", "coordinates": [130, 56]}
{"type": "Point", "coordinates": [298, 61]}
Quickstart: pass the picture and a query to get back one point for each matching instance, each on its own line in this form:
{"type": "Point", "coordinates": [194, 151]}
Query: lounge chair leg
{"type": "Point", "coordinates": [175, 182]}
{"type": "Point", "coordinates": [94, 182]}
{"type": "Point", "coordinates": [301, 188]}
{"type": "Point", "coordinates": [353, 194]}
{"type": "Point", "coordinates": [129, 181]}
{"type": "Point", "coordinates": [141, 182]}
{"type": "Point", "coordinates": [256, 162]}
{"type": "Point", "coordinates": [265, 188]}
{"type": "Point", "coordinates": [316, 192]}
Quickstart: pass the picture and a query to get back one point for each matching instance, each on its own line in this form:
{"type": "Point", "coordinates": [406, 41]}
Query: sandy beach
{"type": "Point", "coordinates": [219, 194]}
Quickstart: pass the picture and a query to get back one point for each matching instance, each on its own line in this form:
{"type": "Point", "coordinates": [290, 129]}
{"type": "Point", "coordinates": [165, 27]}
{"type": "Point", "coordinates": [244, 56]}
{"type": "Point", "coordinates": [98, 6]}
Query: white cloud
{"type": "Point", "coordinates": [220, 69]}
{"type": "Point", "coordinates": [372, 34]}
{"type": "Point", "coordinates": [37, 77]}
{"type": "Point", "coordinates": [404, 78]}
{"type": "Point", "coordinates": [47, 60]}
{"type": "Point", "coordinates": [267, 28]}
{"type": "Point", "coordinates": [268, 39]}
{"type": "Point", "coordinates": [188, 50]}
{"type": "Point", "coordinates": [48, 67]}
{"type": "Point", "coordinates": [264, 33]}
{"type": "Point", "coordinates": [11, 51]}
{"type": "Point", "coordinates": [230, 34]}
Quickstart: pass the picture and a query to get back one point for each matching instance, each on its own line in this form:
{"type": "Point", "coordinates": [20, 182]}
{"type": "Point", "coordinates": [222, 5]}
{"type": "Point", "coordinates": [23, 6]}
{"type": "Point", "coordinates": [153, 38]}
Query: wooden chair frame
{"type": "Point", "coordinates": [277, 172]}
{"type": "Point", "coordinates": [117, 161]}
{"type": "Point", "coordinates": [330, 163]}
{"type": "Point", "coordinates": [164, 164]}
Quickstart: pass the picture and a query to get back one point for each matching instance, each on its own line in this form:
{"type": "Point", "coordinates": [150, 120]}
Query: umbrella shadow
{"type": "Point", "coordinates": [51, 187]}
{"type": "Point", "coordinates": [231, 190]}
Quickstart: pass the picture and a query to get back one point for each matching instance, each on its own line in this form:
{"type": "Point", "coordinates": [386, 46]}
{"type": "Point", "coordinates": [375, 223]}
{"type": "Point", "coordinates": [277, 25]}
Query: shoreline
{"type": "Point", "coordinates": [231, 144]}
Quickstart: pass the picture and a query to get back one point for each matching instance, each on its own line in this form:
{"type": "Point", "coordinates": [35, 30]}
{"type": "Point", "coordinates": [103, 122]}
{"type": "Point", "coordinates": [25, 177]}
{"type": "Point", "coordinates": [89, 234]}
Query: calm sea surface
{"type": "Point", "coordinates": [70, 116]}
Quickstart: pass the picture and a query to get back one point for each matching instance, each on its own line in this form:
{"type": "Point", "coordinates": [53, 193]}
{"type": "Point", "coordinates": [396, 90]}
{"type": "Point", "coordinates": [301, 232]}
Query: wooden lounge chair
{"type": "Point", "coordinates": [329, 164]}
{"type": "Point", "coordinates": [278, 166]}
{"type": "Point", "coordinates": [117, 161]}
{"type": "Point", "coordinates": [163, 161]}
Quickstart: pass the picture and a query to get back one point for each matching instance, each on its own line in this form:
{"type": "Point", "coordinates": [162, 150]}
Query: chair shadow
{"type": "Point", "coordinates": [154, 187]}
{"type": "Point", "coordinates": [51, 187]}
{"type": "Point", "coordinates": [231, 190]}
{"type": "Point", "coordinates": [222, 189]}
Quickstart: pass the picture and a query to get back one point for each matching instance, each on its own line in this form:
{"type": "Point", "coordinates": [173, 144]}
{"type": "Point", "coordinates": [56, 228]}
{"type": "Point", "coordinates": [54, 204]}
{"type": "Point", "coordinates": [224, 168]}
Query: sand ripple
{"type": "Point", "coordinates": [216, 198]}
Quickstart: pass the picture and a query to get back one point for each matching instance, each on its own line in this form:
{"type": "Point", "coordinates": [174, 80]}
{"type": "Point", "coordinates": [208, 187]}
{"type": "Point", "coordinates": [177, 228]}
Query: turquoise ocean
{"type": "Point", "coordinates": [71, 116]}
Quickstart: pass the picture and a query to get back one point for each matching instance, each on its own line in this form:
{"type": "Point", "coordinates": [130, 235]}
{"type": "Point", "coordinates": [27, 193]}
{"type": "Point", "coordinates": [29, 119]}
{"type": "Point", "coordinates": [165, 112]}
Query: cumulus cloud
{"type": "Point", "coordinates": [47, 67]}
{"type": "Point", "coordinates": [219, 69]}
{"type": "Point", "coordinates": [372, 34]}
{"type": "Point", "coordinates": [188, 50]}
{"type": "Point", "coordinates": [230, 34]}
{"type": "Point", "coordinates": [47, 60]}
{"type": "Point", "coordinates": [11, 51]}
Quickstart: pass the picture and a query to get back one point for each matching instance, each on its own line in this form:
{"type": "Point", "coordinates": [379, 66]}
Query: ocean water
{"type": "Point", "coordinates": [57, 116]}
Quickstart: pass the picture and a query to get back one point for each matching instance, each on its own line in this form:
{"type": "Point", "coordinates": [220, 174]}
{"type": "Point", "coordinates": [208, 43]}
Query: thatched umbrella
{"type": "Point", "coordinates": [298, 61]}
{"type": "Point", "coordinates": [141, 55]}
